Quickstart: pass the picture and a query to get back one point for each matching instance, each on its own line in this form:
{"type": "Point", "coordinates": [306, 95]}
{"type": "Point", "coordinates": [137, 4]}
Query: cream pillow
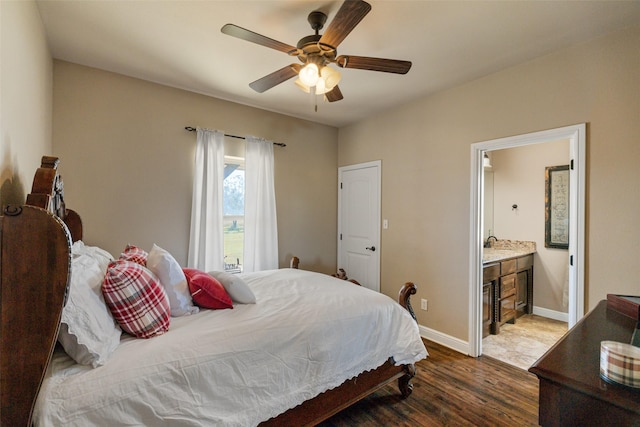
{"type": "Point", "coordinates": [237, 289]}
{"type": "Point", "coordinates": [173, 280]}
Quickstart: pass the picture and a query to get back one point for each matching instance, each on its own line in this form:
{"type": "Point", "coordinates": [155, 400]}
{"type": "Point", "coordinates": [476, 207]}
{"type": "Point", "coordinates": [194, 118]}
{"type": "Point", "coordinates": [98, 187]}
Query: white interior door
{"type": "Point", "coordinates": [359, 223]}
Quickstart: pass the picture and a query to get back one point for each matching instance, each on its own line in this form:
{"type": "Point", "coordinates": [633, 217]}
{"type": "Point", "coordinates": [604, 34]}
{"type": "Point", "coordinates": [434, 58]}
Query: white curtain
{"type": "Point", "coordinates": [206, 242]}
{"type": "Point", "coordinates": [260, 222]}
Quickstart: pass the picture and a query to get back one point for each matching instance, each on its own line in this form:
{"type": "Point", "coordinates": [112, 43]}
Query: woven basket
{"type": "Point", "coordinates": [620, 363]}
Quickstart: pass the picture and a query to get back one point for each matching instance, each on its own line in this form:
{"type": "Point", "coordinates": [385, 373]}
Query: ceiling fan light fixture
{"type": "Point", "coordinates": [330, 76]}
{"type": "Point", "coordinates": [309, 74]}
{"type": "Point", "coordinates": [321, 87]}
{"type": "Point", "coordinates": [303, 87]}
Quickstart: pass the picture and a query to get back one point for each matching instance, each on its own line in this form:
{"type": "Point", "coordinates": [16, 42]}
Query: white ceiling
{"type": "Point", "coordinates": [178, 43]}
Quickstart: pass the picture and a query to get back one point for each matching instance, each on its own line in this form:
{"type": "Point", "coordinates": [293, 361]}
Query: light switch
{"type": "Point", "coordinates": [385, 224]}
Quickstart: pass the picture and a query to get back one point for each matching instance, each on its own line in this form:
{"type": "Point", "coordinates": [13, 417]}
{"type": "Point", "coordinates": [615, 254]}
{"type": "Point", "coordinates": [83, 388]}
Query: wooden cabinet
{"type": "Point", "coordinates": [524, 285]}
{"type": "Point", "coordinates": [487, 308]}
{"type": "Point", "coordinates": [507, 302]}
{"type": "Point", "coordinates": [507, 292]}
{"type": "Point", "coordinates": [508, 266]}
{"type": "Point", "coordinates": [490, 276]}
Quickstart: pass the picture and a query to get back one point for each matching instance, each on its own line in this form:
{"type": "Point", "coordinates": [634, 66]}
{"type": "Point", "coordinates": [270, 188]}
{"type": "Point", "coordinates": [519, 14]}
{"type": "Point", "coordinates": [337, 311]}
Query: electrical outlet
{"type": "Point", "coordinates": [423, 304]}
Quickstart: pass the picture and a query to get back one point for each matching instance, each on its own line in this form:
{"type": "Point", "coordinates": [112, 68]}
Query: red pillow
{"type": "Point", "coordinates": [136, 299]}
{"type": "Point", "coordinates": [206, 291]}
{"type": "Point", "coordinates": [134, 254]}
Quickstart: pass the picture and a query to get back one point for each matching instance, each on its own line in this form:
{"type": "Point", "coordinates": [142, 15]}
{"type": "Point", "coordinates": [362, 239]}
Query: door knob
{"type": "Point", "coordinates": [371, 248]}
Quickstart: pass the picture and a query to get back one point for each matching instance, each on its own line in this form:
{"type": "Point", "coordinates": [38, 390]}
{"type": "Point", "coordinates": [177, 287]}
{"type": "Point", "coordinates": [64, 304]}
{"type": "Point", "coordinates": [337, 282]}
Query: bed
{"type": "Point", "coordinates": [309, 346]}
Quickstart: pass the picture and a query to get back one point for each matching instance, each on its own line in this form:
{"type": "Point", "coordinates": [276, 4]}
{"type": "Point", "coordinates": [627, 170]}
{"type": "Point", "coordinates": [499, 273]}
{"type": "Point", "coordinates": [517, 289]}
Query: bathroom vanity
{"type": "Point", "coordinates": [507, 286]}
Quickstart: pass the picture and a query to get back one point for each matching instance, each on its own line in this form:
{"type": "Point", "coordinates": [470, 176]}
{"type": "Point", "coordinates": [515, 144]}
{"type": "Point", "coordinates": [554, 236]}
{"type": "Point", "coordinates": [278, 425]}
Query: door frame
{"type": "Point", "coordinates": [576, 134]}
{"type": "Point", "coordinates": [377, 164]}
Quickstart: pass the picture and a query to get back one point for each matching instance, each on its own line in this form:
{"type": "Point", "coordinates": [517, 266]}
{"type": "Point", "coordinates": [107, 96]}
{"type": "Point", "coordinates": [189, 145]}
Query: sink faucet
{"type": "Point", "coordinates": [487, 244]}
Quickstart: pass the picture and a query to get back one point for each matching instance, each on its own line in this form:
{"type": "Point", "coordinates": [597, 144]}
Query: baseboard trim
{"type": "Point", "coordinates": [445, 340]}
{"type": "Point", "coordinates": [551, 314]}
{"type": "Point", "coordinates": [462, 346]}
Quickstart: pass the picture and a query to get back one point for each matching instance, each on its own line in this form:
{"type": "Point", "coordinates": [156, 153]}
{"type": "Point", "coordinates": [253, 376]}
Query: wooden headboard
{"type": "Point", "coordinates": [47, 192]}
{"type": "Point", "coordinates": [35, 257]}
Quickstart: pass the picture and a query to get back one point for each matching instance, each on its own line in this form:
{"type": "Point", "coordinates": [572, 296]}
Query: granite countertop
{"type": "Point", "coordinates": [504, 249]}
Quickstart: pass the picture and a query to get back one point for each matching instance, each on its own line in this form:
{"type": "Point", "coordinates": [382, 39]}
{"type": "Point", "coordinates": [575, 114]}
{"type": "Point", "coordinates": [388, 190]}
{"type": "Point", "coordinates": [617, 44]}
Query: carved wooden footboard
{"type": "Point", "coordinates": [331, 402]}
{"type": "Point", "coordinates": [323, 406]}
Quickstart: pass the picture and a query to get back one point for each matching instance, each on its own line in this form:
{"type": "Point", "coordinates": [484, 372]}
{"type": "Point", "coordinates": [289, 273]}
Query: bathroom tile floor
{"type": "Point", "coordinates": [522, 343]}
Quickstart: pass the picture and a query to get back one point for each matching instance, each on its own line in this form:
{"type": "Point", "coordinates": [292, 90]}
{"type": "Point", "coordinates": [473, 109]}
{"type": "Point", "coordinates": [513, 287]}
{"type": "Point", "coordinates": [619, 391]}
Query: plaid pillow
{"type": "Point", "coordinates": [134, 254]}
{"type": "Point", "coordinates": [136, 299]}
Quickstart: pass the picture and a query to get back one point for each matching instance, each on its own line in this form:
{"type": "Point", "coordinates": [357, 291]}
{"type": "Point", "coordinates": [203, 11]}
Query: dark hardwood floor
{"type": "Point", "coordinates": [451, 389]}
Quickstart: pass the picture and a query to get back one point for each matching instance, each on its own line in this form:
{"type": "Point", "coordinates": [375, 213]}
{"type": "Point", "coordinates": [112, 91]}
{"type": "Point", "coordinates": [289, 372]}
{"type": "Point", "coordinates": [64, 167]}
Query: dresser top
{"type": "Point", "coordinates": [574, 361]}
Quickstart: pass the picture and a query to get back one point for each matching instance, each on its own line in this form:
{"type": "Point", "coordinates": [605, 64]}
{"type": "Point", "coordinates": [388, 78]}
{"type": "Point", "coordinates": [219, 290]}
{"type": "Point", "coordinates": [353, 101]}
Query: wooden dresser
{"type": "Point", "coordinates": [572, 393]}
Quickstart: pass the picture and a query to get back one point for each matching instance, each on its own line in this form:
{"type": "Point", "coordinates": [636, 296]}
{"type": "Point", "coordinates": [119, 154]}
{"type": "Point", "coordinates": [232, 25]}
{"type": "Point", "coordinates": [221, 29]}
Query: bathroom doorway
{"type": "Point", "coordinates": [514, 226]}
{"type": "Point", "coordinates": [577, 140]}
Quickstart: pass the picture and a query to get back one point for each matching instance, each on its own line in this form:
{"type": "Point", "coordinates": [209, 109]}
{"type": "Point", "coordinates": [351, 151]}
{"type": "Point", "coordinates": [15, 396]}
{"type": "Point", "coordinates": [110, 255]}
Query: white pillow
{"type": "Point", "coordinates": [237, 289]}
{"type": "Point", "coordinates": [88, 332]}
{"type": "Point", "coordinates": [173, 280]}
{"type": "Point", "coordinates": [103, 257]}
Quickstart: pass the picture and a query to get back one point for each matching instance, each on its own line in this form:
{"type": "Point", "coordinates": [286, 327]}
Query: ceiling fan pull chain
{"type": "Point", "coordinates": [315, 98]}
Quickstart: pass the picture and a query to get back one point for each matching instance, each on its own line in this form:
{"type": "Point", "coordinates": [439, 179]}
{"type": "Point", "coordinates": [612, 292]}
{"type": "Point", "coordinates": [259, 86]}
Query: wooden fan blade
{"type": "Point", "coordinates": [334, 95]}
{"type": "Point", "coordinates": [275, 78]}
{"type": "Point", "coordinates": [250, 36]}
{"type": "Point", "coordinates": [349, 15]}
{"type": "Point", "coordinates": [374, 64]}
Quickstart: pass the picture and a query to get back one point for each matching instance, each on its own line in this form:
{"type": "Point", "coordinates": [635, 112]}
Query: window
{"type": "Point", "coordinates": [233, 211]}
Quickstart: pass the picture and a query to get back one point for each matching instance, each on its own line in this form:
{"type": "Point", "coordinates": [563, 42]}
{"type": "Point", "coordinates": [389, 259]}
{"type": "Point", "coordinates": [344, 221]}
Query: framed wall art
{"type": "Point", "coordinates": [556, 202]}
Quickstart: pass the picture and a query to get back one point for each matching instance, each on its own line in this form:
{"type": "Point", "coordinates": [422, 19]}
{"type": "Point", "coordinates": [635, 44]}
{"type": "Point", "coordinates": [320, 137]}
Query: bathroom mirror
{"type": "Point", "coordinates": [488, 229]}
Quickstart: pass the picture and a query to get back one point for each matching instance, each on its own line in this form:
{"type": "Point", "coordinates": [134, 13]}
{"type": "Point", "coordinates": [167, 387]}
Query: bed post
{"type": "Point", "coordinates": [404, 299]}
{"type": "Point", "coordinates": [47, 192]}
{"type": "Point", "coordinates": [35, 248]}
{"type": "Point", "coordinates": [295, 262]}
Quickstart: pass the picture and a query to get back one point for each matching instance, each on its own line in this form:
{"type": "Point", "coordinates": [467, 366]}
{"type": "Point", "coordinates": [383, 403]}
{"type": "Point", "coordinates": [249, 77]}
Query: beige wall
{"type": "Point", "coordinates": [519, 178]}
{"type": "Point", "coordinates": [127, 163]}
{"type": "Point", "coordinates": [25, 99]}
{"type": "Point", "coordinates": [425, 151]}
{"type": "Point", "coordinates": [127, 160]}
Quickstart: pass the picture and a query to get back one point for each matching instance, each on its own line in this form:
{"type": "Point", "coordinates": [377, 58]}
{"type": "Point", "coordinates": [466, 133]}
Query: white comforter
{"type": "Point", "coordinates": [307, 333]}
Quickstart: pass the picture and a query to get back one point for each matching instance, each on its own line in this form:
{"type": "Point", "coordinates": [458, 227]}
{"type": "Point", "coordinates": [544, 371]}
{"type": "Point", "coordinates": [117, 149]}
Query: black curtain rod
{"type": "Point", "coordinates": [192, 129]}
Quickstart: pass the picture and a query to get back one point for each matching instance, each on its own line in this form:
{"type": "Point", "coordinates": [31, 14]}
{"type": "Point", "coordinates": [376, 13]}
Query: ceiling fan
{"type": "Point", "coordinates": [316, 52]}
